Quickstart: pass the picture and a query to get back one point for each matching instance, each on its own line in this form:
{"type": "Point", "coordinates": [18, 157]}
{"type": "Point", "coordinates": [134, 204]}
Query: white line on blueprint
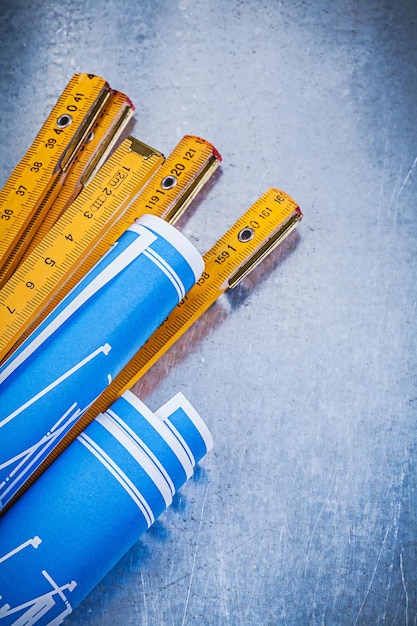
{"type": "Point", "coordinates": [40, 606]}
{"type": "Point", "coordinates": [167, 270]}
{"type": "Point", "coordinates": [101, 350]}
{"type": "Point", "coordinates": [181, 440]}
{"type": "Point", "coordinates": [119, 475]}
{"type": "Point", "coordinates": [163, 431]}
{"type": "Point", "coordinates": [131, 433]}
{"type": "Point", "coordinates": [139, 454]}
{"type": "Point", "coordinates": [46, 438]}
{"type": "Point", "coordinates": [34, 542]}
{"type": "Point", "coordinates": [31, 455]}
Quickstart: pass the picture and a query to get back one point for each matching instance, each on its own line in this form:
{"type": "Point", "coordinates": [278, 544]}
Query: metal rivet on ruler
{"type": "Point", "coordinates": [64, 120]}
{"type": "Point", "coordinates": [246, 234]}
{"type": "Point", "coordinates": [168, 182]}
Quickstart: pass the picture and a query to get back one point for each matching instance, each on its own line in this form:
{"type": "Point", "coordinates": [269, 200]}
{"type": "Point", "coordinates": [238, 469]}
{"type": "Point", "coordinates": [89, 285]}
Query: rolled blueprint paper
{"type": "Point", "coordinates": [92, 504]}
{"type": "Point", "coordinates": [64, 365]}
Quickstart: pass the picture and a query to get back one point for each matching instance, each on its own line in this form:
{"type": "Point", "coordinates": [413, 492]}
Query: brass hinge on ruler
{"type": "Point", "coordinates": [102, 140]}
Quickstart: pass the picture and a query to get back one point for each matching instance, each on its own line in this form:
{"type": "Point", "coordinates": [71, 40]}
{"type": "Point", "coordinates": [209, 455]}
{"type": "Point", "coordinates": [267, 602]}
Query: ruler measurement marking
{"type": "Point", "coordinates": [38, 147]}
{"type": "Point", "coordinates": [24, 238]}
{"type": "Point", "coordinates": [188, 181]}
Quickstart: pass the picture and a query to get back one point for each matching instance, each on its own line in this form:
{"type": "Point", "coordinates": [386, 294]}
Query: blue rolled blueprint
{"type": "Point", "coordinates": [66, 363]}
{"type": "Point", "coordinates": [92, 504]}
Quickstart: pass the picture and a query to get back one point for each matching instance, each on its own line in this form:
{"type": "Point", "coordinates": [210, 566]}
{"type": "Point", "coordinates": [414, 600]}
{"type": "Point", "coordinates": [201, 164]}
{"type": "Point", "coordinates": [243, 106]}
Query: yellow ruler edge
{"type": "Point", "coordinates": [111, 123]}
{"type": "Point", "coordinates": [166, 195]}
{"type": "Point", "coordinates": [81, 227]}
{"type": "Point", "coordinates": [51, 152]}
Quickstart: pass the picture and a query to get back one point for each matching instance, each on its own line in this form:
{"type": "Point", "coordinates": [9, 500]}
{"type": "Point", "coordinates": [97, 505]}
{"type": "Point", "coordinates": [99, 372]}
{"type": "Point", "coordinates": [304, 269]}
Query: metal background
{"type": "Point", "coordinates": [305, 511]}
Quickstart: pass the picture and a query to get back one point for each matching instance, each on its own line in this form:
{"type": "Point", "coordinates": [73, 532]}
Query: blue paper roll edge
{"type": "Point", "coordinates": [66, 532]}
{"type": "Point", "coordinates": [176, 239]}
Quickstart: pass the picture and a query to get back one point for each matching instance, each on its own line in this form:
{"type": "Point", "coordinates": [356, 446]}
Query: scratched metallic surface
{"type": "Point", "coordinates": [305, 512]}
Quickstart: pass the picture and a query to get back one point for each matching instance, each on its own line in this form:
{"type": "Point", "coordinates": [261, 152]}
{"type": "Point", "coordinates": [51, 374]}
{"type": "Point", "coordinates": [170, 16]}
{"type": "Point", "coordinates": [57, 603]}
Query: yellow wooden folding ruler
{"type": "Point", "coordinates": [259, 231]}
{"type": "Point", "coordinates": [37, 179]}
{"type": "Point", "coordinates": [135, 180]}
{"type": "Point", "coordinates": [101, 212]}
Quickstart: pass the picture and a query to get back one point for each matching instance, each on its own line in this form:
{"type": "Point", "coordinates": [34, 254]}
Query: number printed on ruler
{"type": "Point", "coordinates": [185, 171]}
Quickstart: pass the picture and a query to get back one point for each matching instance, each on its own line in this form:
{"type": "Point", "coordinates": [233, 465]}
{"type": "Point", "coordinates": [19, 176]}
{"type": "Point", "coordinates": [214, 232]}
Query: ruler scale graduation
{"type": "Point", "coordinates": [73, 236]}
